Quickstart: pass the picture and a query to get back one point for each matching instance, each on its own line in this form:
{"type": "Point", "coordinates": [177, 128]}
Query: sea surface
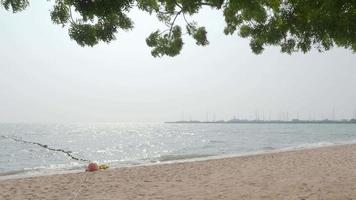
{"type": "Point", "coordinates": [127, 144]}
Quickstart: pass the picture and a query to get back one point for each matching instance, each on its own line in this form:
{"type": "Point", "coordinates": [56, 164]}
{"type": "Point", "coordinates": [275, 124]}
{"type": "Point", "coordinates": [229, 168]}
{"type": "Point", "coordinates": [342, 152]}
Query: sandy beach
{"type": "Point", "coordinates": [322, 173]}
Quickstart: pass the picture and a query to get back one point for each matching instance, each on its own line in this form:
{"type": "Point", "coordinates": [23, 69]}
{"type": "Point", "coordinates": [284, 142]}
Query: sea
{"type": "Point", "coordinates": [39, 149]}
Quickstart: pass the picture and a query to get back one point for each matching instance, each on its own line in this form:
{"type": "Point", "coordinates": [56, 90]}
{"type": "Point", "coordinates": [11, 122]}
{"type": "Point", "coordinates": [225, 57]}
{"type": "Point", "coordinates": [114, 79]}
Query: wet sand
{"type": "Point", "coordinates": [322, 173]}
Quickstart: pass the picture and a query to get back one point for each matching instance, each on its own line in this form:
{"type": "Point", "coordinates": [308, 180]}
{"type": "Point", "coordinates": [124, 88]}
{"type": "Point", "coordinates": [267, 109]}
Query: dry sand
{"type": "Point", "coordinates": [323, 173]}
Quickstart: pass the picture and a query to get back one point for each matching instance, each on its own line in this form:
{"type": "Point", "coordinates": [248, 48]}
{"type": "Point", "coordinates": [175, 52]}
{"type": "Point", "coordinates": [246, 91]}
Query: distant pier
{"type": "Point", "coordinates": [294, 121]}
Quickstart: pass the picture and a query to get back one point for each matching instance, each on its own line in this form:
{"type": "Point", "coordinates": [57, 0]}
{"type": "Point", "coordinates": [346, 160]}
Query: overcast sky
{"type": "Point", "coordinates": [46, 77]}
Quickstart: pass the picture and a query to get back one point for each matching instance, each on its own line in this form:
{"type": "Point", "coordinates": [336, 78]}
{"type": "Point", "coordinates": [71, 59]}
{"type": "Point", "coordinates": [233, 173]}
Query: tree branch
{"type": "Point", "coordinates": [185, 19]}
{"type": "Point", "coordinates": [172, 24]}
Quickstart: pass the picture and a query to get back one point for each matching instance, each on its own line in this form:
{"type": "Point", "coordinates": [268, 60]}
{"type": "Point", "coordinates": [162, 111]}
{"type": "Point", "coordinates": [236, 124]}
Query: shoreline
{"type": "Point", "coordinates": [21, 174]}
{"type": "Point", "coordinates": [316, 173]}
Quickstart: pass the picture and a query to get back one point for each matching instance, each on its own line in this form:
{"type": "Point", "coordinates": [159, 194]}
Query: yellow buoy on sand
{"type": "Point", "coordinates": [103, 167]}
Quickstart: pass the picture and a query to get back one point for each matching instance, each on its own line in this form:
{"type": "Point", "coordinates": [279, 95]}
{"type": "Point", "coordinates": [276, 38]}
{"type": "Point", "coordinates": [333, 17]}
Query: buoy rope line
{"type": "Point", "coordinates": [68, 153]}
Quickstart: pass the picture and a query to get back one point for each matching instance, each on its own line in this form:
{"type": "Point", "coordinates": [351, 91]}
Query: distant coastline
{"type": "Point", "coordinates": [240, 121]}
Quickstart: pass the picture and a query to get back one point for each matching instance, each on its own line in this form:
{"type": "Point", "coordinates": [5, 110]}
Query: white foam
{"type": "Point", "coordinates": [251, 153]}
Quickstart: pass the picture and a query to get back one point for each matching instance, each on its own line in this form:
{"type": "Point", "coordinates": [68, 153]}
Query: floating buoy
{"type": "Point", "coordinates": [92, 167]}
{"type": "Point", "coordinates": [103, 167]}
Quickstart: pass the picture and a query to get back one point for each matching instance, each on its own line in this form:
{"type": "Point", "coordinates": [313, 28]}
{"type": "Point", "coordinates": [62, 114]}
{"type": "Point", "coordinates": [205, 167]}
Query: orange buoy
{"type": "Point", "coordinates": [92, 167]}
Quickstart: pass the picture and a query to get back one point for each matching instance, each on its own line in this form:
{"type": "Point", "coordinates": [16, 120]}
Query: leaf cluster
{"type": "Point", "coordinates": [293, 25]}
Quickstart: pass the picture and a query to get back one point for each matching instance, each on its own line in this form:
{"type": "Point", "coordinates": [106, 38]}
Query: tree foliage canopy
{"type": "Point", "coordinates": [293, 25]}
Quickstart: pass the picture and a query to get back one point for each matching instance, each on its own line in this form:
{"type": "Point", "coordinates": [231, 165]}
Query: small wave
{"type": "Point", "coordinates": [313, 145]}
{"type": "Point", "coordinates": [13, 172]}
{"type": "Point", "coordinates": [42, 170]}
{"type": "Point", "coordinates": [217, 141]}
{"type": "Point", "coordinates": [289, 148]}
{"type": "Point", "coordinates": [268, 148]}
{"type": "Point", "coordinates": [172, 157]}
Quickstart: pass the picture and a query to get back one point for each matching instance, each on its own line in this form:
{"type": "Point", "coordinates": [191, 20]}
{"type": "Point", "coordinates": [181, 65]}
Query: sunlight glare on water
{"type": "Point", "coordinates": [124, 144]}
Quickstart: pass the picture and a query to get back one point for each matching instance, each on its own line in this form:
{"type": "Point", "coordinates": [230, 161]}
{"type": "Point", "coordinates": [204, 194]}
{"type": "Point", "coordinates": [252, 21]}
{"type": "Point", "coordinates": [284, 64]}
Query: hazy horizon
{"type": "Point", "coordinates": [46, 77]}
